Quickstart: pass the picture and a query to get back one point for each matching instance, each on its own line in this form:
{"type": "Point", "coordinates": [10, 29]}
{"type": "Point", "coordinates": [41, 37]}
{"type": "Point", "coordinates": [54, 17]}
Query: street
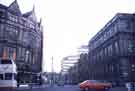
{"type": "Point", "coordinates": [50, 88]}
{"type": "Point", "coordinates": [64, 88]}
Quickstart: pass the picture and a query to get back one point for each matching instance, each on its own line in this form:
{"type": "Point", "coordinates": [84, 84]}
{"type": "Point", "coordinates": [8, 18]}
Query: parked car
{"type": "Point", "coordinates": [60, 83]}
{"type": "Point", "coordinates": [23, 85]}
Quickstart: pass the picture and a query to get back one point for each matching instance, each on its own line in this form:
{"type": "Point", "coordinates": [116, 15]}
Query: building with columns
{"type": "Point", "coordinates": [112, 50]}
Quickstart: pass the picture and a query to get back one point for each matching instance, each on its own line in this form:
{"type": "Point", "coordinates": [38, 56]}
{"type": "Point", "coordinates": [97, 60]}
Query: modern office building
{"type": "Point", "coordinates": [112, 50]}
{"type": "Point", "coordinates": [68, 62]}
{"type": "Point", "coordinates": [21, 39]}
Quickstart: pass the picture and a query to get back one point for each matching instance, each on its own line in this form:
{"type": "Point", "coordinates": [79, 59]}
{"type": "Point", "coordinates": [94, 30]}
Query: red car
{"type": "Point", "coordinates": [93, 84]}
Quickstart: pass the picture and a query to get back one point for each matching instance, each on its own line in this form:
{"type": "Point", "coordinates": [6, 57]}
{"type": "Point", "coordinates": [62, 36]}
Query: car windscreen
{"type": "Point", "coordinates": [94, 81]}
{"type": "Point", "coordinates": [8, 76]}
{"type": "Point", "coordinates": [5, 61]}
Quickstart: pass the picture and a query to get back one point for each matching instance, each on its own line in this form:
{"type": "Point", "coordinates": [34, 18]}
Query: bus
{"type": "Point", "coordinates": [8, 73]}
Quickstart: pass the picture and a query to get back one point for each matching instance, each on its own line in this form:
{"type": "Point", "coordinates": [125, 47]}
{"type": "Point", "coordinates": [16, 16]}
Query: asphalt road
{"type": "Point", "coordinates": [50, 88]}
{"type": "Point", "coordinates": [63, 88]}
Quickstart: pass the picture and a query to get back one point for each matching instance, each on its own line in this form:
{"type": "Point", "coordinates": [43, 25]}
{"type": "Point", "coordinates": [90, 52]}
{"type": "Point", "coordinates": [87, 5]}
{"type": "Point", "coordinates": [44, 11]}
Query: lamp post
{"type": "Point", "coordinates": [52, 82]}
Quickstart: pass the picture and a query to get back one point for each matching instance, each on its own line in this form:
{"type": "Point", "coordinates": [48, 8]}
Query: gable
{"type": "Point", "coordinates": [14, 8]}
{"type": "Point", "coordinates": [31, 15]}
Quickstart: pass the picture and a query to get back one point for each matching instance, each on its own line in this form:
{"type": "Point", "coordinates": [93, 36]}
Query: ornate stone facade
{"type": "Point", "coordinates": [21, 39]}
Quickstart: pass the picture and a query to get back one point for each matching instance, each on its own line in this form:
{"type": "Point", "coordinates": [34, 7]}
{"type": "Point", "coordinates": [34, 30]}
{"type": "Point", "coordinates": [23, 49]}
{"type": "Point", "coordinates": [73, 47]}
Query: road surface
{"type": "Point", "coordinates": [50, 88]}
{"type": "Point", "coordinates": [64, 88]}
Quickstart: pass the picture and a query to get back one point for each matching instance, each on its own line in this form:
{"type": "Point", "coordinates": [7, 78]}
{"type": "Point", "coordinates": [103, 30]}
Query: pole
{"type": "Point", "coordinates": [52, 72]}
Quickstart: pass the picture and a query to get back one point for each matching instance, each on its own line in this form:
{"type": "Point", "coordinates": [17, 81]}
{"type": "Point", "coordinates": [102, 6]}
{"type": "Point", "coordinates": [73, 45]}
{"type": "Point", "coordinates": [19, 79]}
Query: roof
{"type": "Point", "coordinates": [27, 14]}
{"type": "Point", "coordinates": [14, 8]}
{"type": "Point", "coordinates": [118, 15]}
{"type": "Point", "coordinates": [31, 15]}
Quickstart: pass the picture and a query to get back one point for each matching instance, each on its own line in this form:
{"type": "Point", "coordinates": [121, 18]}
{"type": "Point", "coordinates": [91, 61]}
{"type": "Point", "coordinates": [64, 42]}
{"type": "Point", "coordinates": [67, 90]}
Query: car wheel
{"type": "Point", "coordinates": [82, 89]}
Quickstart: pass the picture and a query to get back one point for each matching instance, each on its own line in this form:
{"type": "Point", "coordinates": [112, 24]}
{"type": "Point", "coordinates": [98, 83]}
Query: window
{"type": "Point", "coordinates": [23, 53]}
{"type": "Point", "coordinates": [110, 50]}
{"type": "Point", "coordinates": [6, 61]}
{"type": "Point", "coordinates": [34, 57]}
{"type": "Point", "coordinates": [28, 57]}
{"type": "Point", "coordinates": [125, 46]}
{"type": "Point", "coordinates": [101, 54]}
{"type": "Point", "coordinates": [105, 35]}
{"type": "Point", "coordinates": [122, 49]}
{"type": "Point", "coordinates": [123, 25]}
{"type": "Point", "coordinates": [25, 38]}
{"type": "Point", "coordinates": [115, 28]}
{"type": "Point", "coordinates": [1, 50]}
{"type": "Point", "coordinates": [12, 53]}
{"type": "Point", "coordinates": [11, 33]}
{"type": "Point", "coordinates": [105, 50]}
{"type": "Point", "coordinates": [1, 30]}
{"type": "Point", "coordinates": [8, 76]}
{"type": "Point", "coordinates": [1, 14]}
{"type": "Point", "coordinates": [13, 18]}
{"type": "Point", "coordinates": [132, 43]}
{"type": "Point", "coordinates": [1, 76]}
{"type": "Point", "coordinates": [112, 68]}
{"type": "Point", "coordinates": [110, 32]}
{"type": "Point", "coordinates": [19, 53]}
{"type": "Point", "coordinates": [116, 47]}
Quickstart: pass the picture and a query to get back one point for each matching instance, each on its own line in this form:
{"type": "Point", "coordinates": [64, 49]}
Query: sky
{"type": "Point", "coordinates": [68, 24]}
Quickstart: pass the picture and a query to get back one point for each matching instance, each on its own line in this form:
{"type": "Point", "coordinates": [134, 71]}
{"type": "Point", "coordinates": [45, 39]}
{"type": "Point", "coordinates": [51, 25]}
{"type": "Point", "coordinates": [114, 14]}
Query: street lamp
{"type": "Point", "coordinates": [52, 72]}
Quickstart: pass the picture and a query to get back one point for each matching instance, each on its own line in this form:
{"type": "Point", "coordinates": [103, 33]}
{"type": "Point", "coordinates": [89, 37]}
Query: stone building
{"type": "Point", "coordinates": [21, 39]}
{"type": "Point", "coordinates": [112, 50]}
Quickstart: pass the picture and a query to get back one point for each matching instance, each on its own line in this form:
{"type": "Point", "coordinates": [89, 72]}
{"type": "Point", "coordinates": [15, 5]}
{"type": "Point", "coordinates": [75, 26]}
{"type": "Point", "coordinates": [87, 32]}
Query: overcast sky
{"type": "Point", "coordinates": [69, 24]}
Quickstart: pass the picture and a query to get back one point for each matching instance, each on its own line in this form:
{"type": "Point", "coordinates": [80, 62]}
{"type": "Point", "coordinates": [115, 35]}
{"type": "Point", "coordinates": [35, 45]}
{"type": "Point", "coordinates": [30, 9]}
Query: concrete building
{"type": "Point", "coordinates": [68, 62]}
{"type": "Point", "coordinates": [112, 50]}
{"type": "Point", "coordinates": [21, 39]}
{"type": "Point", "coordinates": [68, 68]}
